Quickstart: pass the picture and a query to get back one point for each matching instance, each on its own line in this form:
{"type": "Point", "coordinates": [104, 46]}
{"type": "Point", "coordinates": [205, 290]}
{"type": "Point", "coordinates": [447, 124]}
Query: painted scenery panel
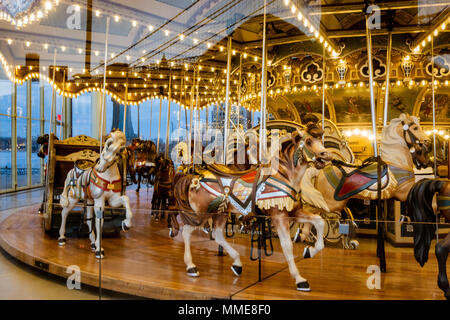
{"type": "Point", "coordinates": [442, 104]}
{"type": "Point", "coordinates": [309, 102]}
{"type": "Point", "coordinates": [402, 100]}
{"type": "Point", "coordinates": [352, 104]}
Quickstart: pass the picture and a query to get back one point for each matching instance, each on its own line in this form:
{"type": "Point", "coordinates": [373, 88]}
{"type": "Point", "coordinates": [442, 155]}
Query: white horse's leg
{"type": "Point", "coordinates": [99, 207]}
{"type": "Point", "coordinates": [282, 227]}
{"type": "Point", "coordinates": [190, 266]}
{"type": "Point", "coordinates": [89, 218]}
{"type": "Point", "coordinates": [116, 201]}
{"type": "Point", "coordinates": [62, 230]}
{"type": "Point", "coordinates": [218, 236]}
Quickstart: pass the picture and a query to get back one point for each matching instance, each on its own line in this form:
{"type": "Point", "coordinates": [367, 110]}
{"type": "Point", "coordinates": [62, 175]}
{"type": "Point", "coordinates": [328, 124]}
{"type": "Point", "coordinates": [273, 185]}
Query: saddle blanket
{"type": "Point", "coordinates": [239, 191]}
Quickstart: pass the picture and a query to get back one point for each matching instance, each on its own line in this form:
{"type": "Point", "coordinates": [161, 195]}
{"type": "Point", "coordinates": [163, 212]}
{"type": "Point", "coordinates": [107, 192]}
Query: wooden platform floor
{"type": "Point", "coordinates": [146, 262]}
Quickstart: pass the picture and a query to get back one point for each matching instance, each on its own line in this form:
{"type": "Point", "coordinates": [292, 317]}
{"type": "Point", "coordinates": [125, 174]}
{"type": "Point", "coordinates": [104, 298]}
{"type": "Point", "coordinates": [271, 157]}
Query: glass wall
{"type": "Point", "coordinates": [81, 115]}
{"type": "Point", "coordinates": [21, 123]}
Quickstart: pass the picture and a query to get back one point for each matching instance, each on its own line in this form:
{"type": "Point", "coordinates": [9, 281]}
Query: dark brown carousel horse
{"type": "Point", "coordinates": [130, 152]}
{"type": "Point", "coordinates": [163, 187]}
{"type": "Point", "coordinates": [145, 164]}
{"type": "Point", "coordinates": [420, 208]}
{"type": "Point", "coordinates": [42, 153]}
{"type": "Point", "coordinates": [219, 191]}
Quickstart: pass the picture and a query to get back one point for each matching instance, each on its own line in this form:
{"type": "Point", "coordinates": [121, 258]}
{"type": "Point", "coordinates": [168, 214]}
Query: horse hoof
{"type": "Point", "coordinates": [193, 272]}
{"type": "Point", "coordinates": [61, 242]}
{"type": "Point", "coordinates": [93, 247]}
{"type": "Point", "coordinates": [237, 270]}
{"type": "Point", "coordinates": [100, 254]}
{"type": "Point", "coordinates": [125, 228]}
{"type": "Point", "coordinates": [306, 253]}
{"type": "Point", "coordinates": [172, 233]}
{"type": "Point", "coordinates": [303, 286]}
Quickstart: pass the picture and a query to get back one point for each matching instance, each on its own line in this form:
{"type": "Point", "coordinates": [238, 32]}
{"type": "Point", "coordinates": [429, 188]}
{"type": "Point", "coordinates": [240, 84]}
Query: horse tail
{"type": "Point", "coordinates": [309, 192]}
{"type": "Point", "coordinates": [420, 209]}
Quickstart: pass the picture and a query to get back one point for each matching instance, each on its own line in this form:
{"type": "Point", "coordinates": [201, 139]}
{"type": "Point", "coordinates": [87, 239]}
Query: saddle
{"type": "Point", "coordinates": [364, 177]}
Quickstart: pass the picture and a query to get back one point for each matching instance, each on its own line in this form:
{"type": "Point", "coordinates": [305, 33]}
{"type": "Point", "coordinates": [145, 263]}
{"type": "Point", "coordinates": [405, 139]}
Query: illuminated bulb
{"type": "Point", "coordinates": [429, 38]}
{"type": "Point", "coordinates": [256, 59]}
{"type": "Point", "coordinates": [286, 2]}
{"type": "Point", "coordinates": [48, 5]}
{"type": "Point", "coordinates": [39, 14]}
{"type": "Point", "coordinates": [299, 16]}
{"type": "Point", "coordinates": [443, 26]}
{"type": "Point", "coordinates": [166, 32]}
{"type": "Point", "coordinates": [233, 52]}
{"type": "Point", "coordinates": [63, 48]}
{"type": "Point", "coordinates": [28, 43]}
{"type": "Point", "coordinates": [96, 53]}
{"type": "Point", "coordinates": [208, 45]}
{"type": "Point", "coordinates": [128, 58]}
{"type": "Point", "coordinates": [157, 61]}
{"type": "Point", "coordinates": [181, 37]}
{"type": "Point", "coordinates": [435, 32]}
{"type": "Point", "coordinates": [77, 8]}
{"type": "Point", "coordinates": [446, 137]}
{"type": "Point", "coordinates": [293, 9]}
{"type": "Point", "coordinates": [80, 50]}
{"type": "Point", "coordinates": [212, 69]}
{"type": "Point", "coordinates": [116, 18]}
{"type": "Point", "coordinates": [97, 13]}
{"type": "Point", "coordinates": [9, 41]}
{"type": "Point", "coordinates": [221, 48]}
{"type": "Point", "coordinates": [150, 27]}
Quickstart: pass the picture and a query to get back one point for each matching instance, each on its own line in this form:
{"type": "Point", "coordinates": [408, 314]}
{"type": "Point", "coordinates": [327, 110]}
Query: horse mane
{"type": "Point", "coordinates": [290, 144]}
{"type": "Point", "coordinates": [393, 146]}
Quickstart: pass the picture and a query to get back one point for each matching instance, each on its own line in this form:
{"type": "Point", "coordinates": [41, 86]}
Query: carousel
{"type": "Point", "coordinates": [284, 149]}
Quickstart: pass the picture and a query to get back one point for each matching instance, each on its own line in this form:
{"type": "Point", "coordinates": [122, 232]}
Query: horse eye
{"type": "Point", "coordinates": [308, 142]}
{"type": "Point", "coordinates": [416, 128]}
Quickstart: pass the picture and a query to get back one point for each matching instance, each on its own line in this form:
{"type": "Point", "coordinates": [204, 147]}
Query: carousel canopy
{"type": "Point", "coordinates": [179, 49]}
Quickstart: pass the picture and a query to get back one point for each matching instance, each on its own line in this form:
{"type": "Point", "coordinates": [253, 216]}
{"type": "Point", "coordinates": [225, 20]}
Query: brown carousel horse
{"type": "Point", "coordinates": [163, 187]}
{"type": "Point", "coordinates": [130, 151]}
{"type": "Point", "coordinates": [145, 164]}
{"type": "Point", "coordinates": [218, 191]}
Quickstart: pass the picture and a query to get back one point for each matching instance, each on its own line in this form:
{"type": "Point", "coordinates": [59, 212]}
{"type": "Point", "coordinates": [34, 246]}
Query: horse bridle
{"type": "Point", "coordinates": [306, 153]}
{"type": "Point", "coordinates": [415, 146]}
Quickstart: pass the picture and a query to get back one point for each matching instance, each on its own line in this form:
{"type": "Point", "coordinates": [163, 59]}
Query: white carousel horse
{"type": "Point", "coordinates": [97, 185]}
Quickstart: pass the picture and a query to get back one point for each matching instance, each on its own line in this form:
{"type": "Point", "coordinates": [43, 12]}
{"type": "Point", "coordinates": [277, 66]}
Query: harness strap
{"type": "Point", "coordinates": [443, 202]}
{"type": "Point", "coordinates": [105, 185]}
